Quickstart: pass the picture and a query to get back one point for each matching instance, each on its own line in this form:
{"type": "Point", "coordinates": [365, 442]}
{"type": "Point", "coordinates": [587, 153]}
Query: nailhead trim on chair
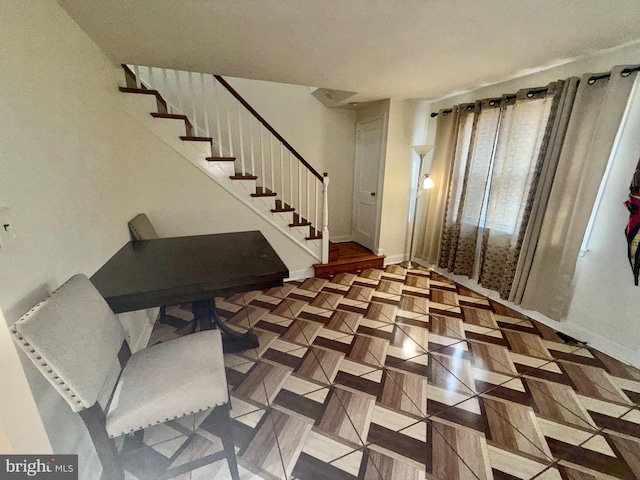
{"type": "Point", "coordinates": [166, 420]}
{"type": "Point", "coordinates": [135, 232]}
{"type": "Point", "coordinates": [38, 358]}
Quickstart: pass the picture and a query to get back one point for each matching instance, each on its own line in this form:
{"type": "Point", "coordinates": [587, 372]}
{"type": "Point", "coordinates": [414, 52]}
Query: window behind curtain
{"type": "Point", "coordinates": [493, 176]}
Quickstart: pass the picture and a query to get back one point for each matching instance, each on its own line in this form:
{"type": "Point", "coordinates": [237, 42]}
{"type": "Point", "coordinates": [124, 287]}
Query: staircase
{"type": "Point", "coordinates": [204, 119]}
{"type": "Point", "coordinates": [348, 257]}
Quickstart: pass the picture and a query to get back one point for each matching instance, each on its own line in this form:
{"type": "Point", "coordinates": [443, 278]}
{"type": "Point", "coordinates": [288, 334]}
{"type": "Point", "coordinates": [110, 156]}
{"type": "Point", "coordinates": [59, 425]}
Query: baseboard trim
{"type": "Point", "coordinates": [391, 259]}
{"type": "Point", "coordinates": [341, 239]}
{"type": "Point", "coordinates": [301, 274]}
{"type": "Point", "coordinates": [602, 344]}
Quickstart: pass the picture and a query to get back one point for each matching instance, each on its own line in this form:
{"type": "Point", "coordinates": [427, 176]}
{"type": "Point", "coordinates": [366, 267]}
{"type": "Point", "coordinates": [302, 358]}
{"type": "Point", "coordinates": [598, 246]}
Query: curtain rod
{"type": "Point", "coordinates": [508, 97]}
{"type": "Point", "coordinates": [593, 79]}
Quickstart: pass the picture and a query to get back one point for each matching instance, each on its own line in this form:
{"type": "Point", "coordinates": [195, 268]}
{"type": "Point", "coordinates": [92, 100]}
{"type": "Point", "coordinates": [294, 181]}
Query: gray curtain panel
{"type": "Point", "coordinates": [597, 112]}
{"type": "Point", "coordinates": [548, 162]}
{"type": "Point", "coordinates": [431, 213]}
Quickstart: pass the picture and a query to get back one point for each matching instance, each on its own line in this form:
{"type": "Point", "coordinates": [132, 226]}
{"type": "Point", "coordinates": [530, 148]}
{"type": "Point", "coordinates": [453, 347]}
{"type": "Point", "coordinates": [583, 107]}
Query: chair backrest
{"type": "Point", "coordinates": [73, 338]}
{"type": "Point", "coordinates": [141, 228]}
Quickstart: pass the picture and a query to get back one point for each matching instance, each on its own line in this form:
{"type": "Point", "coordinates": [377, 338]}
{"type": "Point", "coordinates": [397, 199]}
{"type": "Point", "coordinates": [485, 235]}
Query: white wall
{"type": "Point", "coordinates": [75, 168]}
{"type": "Point", "coordinates": [65, 173]}
{"type": "Point", "coordinates": [605, 305]}
{"type": "Point", "coordinates": [325, 137]}
{"type": "Point", "coordinates": [21, 428]}
{"type": "Point", "coordinates": [407, 127]}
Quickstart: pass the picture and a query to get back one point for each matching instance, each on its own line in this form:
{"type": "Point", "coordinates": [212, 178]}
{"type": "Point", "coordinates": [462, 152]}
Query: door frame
{"type": "Point", "coordinates": [380, 182]}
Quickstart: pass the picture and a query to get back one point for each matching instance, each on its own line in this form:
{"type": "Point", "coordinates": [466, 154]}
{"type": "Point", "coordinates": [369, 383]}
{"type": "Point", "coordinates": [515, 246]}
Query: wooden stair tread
{"type": "Point", "coordinates": [350, 264]}
{"type": "Point", "coordinates": [187, 138]}
{"type": "Point", "coordinates": [243, 177]}
{"type": "Point", "coordinates": [285, 209]}
{"type": "Point", "coordinates": [314, 237]}
{"type": "Point", "coordinates": [347, 260]}
{"type": "Point", "coordinates": [263, 192]}
{"type": "Point", "coordinates": [160, 102]}
{"type": "Point", "coordinates": [221, 159]}
{"type": "Point", "coordinates": [300, 224]}
{"type": "Point", "coordinates": [144, 91]}
{"type": "Point", "coordinates": [174, 116]}
{"type": "Point", "coordinates": [334, 251]}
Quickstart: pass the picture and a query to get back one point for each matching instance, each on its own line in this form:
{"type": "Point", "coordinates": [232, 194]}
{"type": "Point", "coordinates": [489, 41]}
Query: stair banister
{"type": "Point", "coordinates": [325, 218]}
{"type": "Point", "coordinates": [267, 126]}
{"type": "Point", "coordinates": [203, 99]}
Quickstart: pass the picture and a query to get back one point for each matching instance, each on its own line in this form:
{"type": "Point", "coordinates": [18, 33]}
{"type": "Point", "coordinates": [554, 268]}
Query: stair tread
{"type": "Point", "coordinates": [221, 159]}
{"type": "Point", "coordinates": [317, 237]}
{"type": "Point", "coordinates": [265, 194]}
{"type": "Point", "coordinates": [300, 224]}
{"type": "Point", "coordinates": [352, 260]}
{"type": "Point", "coordinates": [174, 116]}
{"type": "Point", "coordinates": [187, 138]}
{"type": "Point", "coordinates": [243, 177]}
{"type": "Point", "coordinates": [279, 210]}
{"type": "Point", "coordinates": [161, 103]}
{"type": "Point", "coordinates": [144, 91]}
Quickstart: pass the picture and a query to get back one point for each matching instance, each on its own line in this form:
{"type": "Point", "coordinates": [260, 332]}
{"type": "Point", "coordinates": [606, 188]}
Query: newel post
{"type": "Point", "coordinates": [325, 218]}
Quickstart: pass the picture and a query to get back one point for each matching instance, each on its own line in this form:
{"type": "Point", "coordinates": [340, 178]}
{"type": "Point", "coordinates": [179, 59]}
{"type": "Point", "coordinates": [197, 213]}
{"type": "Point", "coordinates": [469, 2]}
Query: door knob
{"type": "Point", "coordinates": [373, 194]}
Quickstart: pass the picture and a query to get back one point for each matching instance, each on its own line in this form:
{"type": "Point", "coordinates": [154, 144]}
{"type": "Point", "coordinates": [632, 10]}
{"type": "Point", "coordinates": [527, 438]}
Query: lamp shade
{"type": "Point", "coordinates": [422, 150]}
{"type": "Point", "coordinates": [427, 183]}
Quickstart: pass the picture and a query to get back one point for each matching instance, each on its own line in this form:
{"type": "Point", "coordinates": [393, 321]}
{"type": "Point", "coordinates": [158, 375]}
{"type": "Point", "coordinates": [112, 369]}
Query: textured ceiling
{"type": "Point", "coordinates": [380, 49]}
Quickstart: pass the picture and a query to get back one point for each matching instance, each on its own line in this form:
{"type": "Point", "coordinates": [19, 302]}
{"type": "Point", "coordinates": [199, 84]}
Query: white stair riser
{"type": "Point", "coordinates": [315, 246]}
{"type": "Point", "coordinates": [264, 204]}
{"type": "Point", "coordinates": [168, 127]}
{"type": "Point", "coordinates": [222, 168]}
{"type": "Point", "coordinates": [245, 187]}
{"type": "Point", "coordinates": [282, 218]}
{"type": "Point", "coordinates": [300, 233]}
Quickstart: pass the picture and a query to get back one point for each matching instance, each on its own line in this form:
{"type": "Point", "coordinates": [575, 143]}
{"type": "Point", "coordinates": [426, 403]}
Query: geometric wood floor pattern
{"type": "Point", "coordinates": [392, 374]}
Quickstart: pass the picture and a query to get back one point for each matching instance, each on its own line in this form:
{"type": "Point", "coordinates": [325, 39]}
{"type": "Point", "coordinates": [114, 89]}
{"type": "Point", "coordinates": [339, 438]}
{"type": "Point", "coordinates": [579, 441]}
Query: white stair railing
{"type": "Point", "coordinates": [217, 111]}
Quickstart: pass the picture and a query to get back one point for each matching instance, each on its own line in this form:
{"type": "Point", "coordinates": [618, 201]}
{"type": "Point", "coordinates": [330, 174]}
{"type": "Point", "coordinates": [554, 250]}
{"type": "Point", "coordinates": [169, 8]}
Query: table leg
{"type": "Point", "coordinates": [205, 315]}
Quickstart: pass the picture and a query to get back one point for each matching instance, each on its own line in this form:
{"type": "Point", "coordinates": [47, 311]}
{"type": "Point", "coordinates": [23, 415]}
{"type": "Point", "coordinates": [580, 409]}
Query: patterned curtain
{"type": "Point", "coordinates": [493, 179]}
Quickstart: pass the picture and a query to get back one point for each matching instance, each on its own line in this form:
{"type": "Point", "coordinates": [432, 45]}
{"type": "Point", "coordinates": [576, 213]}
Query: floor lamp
{"type": "Point", "coordinates": [424, 183]}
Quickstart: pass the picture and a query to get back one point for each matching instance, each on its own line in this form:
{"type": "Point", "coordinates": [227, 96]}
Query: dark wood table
{"type": "Point", "coordinates": [170, 271]}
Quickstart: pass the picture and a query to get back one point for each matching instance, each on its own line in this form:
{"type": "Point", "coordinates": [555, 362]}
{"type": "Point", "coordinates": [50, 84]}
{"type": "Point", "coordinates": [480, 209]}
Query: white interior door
{"type": "Point", "coordinates": [369, 151]}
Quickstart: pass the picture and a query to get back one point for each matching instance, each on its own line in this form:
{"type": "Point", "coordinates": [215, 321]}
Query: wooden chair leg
{"type": "Point", "coordinates": [132, 442]}
{"type": "Point", "coordinates": [94, 418]}
{"type": "Point", "coordinates": [224, 417]}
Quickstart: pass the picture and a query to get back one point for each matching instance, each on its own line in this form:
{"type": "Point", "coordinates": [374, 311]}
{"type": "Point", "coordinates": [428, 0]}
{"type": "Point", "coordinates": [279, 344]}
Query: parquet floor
{"type": "Point", "coordinates": [402, 375]}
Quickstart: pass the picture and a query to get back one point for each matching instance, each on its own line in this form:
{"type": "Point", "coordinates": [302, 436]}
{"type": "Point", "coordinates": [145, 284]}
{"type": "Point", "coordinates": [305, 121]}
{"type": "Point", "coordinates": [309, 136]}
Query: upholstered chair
{"type": "Point", "coordinates": [141, 228]}
{"type": "Point", "coordinates": [78, 344]}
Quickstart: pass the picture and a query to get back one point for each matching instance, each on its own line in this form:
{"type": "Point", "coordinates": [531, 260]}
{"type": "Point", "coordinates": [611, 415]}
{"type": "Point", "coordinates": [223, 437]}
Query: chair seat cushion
{"type": "Point", "coordinates": [168, 381]}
